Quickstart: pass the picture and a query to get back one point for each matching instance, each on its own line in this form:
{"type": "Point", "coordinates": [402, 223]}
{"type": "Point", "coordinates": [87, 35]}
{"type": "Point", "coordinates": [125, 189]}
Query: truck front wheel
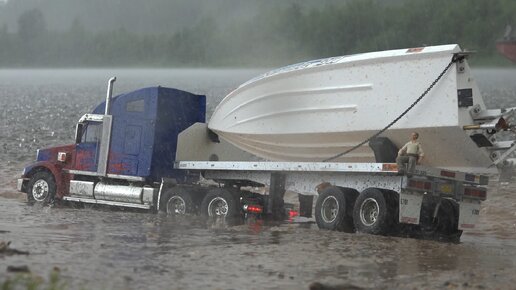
{"type": "Point", "coordinates": [370, 213]}
{"type": "Point", "coordinates": [41, 188]}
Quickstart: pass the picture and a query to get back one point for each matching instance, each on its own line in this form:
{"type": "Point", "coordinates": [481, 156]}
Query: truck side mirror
{"type": "Point", "coordinates": [78, 132]}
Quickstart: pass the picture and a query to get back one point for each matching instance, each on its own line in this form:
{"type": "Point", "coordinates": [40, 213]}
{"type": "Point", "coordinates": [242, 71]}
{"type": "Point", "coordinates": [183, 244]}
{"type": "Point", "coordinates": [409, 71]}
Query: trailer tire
{"type": "Point", "coordinates": [41, 188]}
{"type": "Point", "coordinates": [453, 233]}
{"type": "Point", "coordinates": [178, 201]}
{"type": "Point", "coordinates": [445, 226]}
{"type": "Point", "coordinates": [219, 203]}
{"type": "Point", "coordinates": [371, 213]}
{"type": "Point", "coordinates": [331, 211]}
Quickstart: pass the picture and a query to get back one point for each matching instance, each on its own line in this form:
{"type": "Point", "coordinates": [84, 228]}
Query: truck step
{"type": "Point", "coordinates": [106, 202]}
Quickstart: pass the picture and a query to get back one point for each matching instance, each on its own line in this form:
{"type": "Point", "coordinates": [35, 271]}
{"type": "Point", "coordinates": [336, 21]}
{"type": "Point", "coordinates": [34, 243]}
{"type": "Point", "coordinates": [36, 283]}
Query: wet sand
{"type": "Point", "coordinates": [104, 249]}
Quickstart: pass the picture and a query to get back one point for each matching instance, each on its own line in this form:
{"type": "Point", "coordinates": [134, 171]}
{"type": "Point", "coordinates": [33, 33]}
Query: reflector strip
{"type": "Point", "coordinates": [408, 220]}
{"type": "Point", "coordinates": [448, 173]}
{"type": "Point", "coordinates": [470, 177]}
{"type": "Point", "coordinates": [415, 49]}
{"type": "Point", "coordinates": [389, 167]}
{"type": "Point", "coordinates": [467, 226]}
{"type": "Point", "coordinates": [475, 192]}
{"type": "Point", "coordinates": [420, 184]}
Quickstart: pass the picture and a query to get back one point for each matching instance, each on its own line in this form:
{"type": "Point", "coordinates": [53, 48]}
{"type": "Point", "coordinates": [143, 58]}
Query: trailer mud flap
{"type": "Point", "coordinates": [410, 207]}
{"type": "Point", "coordinates": [468, 214]}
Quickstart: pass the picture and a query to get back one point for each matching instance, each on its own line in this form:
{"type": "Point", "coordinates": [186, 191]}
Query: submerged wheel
{"type": "Point", "coordinates": [178, 201]}
{"type": "Point", "coordinates": [430, 225]}
{"type": "Point", "coordinates": [453, 234]}
{"type": "Point", "coordinates": [371, 214]}
{"type": "Point", "coordinates": [331, 211]}
{"type": "Point", "coordinates": [445, 225]}
{"type": "Point", "coordinates": [219, 203]}
{"type": "Point", "coordinates": [41, 188]}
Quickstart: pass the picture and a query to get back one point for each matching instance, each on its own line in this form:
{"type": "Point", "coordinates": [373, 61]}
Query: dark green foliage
{"type": "Point", "coordinates": [272, 34]}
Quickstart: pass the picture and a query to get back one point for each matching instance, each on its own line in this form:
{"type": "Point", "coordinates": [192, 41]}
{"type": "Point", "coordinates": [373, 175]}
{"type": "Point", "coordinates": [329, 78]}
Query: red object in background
{"type": "Point", "coordinates": [507, 48]}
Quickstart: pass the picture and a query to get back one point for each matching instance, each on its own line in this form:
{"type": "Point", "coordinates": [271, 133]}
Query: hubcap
{"type": "Point", "coordinates": [369, 211]}
{"type": "Point", "coordinates": [40, 190]}
{"type": "Point", "coordinates": [218, 207]}
{"type": "Point", "coordinates": [329, 209]}
{"type": "Point", "coordinates": [176, 205]}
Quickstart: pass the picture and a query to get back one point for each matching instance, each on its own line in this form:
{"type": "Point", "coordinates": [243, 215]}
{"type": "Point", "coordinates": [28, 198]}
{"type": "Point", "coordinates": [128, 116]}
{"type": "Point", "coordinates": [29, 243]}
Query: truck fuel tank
{"type": "Point", "coordinates": [112, 192]}
{"type": "Point", "coordinates": [120, 193]}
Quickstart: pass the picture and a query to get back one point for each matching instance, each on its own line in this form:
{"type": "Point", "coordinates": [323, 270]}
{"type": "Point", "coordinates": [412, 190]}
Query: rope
{"type": "Point", "coordinates": [455, 59]}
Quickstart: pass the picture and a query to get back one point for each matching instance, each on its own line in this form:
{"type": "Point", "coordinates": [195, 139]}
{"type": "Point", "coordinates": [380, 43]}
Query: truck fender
{"type": "Point", "coordinates": [165, 184]}
{"type": "Point", "coordinates": [62, 179]}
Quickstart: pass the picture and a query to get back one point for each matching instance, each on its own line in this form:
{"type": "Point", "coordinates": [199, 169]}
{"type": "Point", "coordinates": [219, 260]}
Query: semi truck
{"type": "Point", "coordinates": [151, 149]}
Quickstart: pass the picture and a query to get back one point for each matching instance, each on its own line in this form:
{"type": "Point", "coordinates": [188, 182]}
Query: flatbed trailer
{"type": "Point", "coordinates": [362, 196]}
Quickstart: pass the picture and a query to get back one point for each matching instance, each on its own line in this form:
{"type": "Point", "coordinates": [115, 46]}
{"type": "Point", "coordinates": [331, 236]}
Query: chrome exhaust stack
{"type": "Point", "coordinates": [109, 95]}
{"type": "Point", "coordinates": [105, 143]}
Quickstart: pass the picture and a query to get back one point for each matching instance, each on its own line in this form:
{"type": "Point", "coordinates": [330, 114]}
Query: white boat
{"type": "Point", "coordinates": [315, 110]}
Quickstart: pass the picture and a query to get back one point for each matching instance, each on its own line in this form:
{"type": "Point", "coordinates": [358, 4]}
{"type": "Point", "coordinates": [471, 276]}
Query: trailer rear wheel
{"type": "Point", "coordinates": [41, 188]}
{"type": "Point", "coordinates": [331, 211]}
{"type": "Point", "coordinates": [445, 225]}
{"type": "Point", "coordinates": [219, 203]}
{"type": "Point", "coordinates": [371, 214]}
{"type": "Point", "coordinates": [452, 233]}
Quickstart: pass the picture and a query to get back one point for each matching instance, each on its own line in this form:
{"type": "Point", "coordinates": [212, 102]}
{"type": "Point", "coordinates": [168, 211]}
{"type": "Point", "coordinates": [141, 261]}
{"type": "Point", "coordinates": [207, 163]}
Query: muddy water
{"type": "Point", "coordinates": [103, 249]}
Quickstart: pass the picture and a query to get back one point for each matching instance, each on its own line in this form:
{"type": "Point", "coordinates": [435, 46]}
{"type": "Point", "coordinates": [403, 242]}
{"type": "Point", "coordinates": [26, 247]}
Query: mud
{"type": "Point", "coordinates": [98, 248]}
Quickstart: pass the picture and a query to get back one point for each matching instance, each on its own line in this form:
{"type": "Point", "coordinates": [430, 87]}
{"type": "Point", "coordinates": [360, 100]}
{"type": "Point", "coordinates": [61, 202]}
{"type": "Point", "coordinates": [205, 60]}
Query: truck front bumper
{"type": "Point", "coordinates": [22, 184]}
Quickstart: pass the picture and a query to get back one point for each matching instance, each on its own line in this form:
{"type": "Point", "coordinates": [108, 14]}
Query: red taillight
{"type": "Point", "coordinates": [477, 192]}
{"type": "Point", "coordinates": [293, 213]}
{"type": "Point", "coordinates": [419, 184]}
{"type": "Point", "coordinates": [253, 208]}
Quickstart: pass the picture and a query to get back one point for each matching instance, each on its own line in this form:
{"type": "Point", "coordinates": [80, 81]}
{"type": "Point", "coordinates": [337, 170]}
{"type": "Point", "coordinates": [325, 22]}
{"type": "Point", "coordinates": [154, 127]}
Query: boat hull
{"type": "Point", "coordinates": [316, 110]}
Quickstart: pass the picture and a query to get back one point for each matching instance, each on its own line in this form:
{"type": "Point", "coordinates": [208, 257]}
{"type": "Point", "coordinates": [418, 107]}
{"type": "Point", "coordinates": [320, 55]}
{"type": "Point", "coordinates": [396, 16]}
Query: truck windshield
{"type": "Point", "coordinates": [93, 133]}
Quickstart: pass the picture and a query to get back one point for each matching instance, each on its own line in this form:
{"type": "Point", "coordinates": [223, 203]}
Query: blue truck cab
{"type": "Point", "coordinates": [145, 126]}
{"type": "Point", "coordinates": [133, 140]}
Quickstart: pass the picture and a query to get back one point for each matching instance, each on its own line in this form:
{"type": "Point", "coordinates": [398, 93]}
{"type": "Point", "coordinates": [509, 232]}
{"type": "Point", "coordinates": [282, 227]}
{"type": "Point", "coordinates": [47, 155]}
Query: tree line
{"type": "Point", "coordinates": [271, 37]}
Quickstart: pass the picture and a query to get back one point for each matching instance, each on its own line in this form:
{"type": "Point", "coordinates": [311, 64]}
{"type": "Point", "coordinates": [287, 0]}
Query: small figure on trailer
{"type": "Point", "coordinates": [410, 154]}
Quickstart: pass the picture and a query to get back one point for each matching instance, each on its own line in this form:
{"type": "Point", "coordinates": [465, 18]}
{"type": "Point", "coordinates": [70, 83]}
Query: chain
{"type": "Point", "coordinates": [455, 59]}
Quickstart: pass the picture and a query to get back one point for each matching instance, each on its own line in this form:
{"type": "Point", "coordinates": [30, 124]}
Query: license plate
{"type": "Point", "coordinates": [446, 188]}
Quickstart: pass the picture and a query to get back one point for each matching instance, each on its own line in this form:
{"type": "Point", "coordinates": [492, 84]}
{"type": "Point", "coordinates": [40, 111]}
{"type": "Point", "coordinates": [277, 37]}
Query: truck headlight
{"type": "Point", "coordinates": [61, 156]}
